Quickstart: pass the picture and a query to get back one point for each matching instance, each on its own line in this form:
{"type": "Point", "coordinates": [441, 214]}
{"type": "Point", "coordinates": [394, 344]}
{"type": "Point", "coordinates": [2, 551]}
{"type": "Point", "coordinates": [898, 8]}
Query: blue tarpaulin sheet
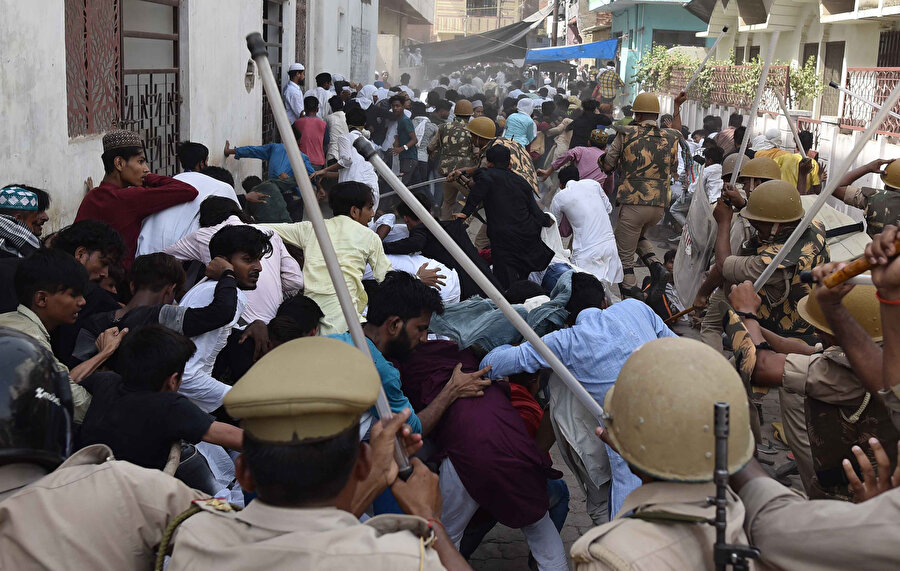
{"type": "Point", "coordinates": [602, 50]}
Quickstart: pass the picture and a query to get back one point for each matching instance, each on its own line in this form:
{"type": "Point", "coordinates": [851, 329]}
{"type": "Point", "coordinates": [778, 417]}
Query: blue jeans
{"type": "Point", "coordinates": [552, 275]}
{"type": "Point", "coordinates": [559, 502]}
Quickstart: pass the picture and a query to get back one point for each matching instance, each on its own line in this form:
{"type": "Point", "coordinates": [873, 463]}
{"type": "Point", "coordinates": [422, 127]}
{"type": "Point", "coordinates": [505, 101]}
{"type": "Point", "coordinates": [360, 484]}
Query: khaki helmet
{"type": "Point", "coordinates": [646, 103]}
{"type": "Point", "coordinates": [482, 127]}
{"type": "Point", "coordinates": [774, 201]}
{"type": "Point", "coordinates": [463, 108]}
{"type": "Point", "coordinates": [660, 413]}
{"type": "Point", "coordinates": [760, 167]}
{"type": "Point", "coordinates": [860, 302]}
{"type": "Point", "coordinates": [599, 137]}
{"type": "Point", "coordinates": [730, 163]}
{"type": "Point", "coordinates": [891, 175]}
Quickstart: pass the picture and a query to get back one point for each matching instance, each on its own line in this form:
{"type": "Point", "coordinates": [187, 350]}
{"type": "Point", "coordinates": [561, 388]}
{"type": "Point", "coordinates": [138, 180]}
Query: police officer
{"type": "Point", "coordinates": [881, 207]}
{"type": "Point", "coordinates": [773, 209]}
{"type": "Point", "coordinates": [647, 157]}
{"type": "Point", "coordinates": [751, 173]}
{"type": "Point", "coordinates": [89, 511]}
{"type": "Point", "coordinates": [300, 407]}
{"type": "Point", "coordinates": [844, 370]}
{"type": "Point", "coordinates": [664, 432]}
{"type": "Point", "coordinates": [454, 143]}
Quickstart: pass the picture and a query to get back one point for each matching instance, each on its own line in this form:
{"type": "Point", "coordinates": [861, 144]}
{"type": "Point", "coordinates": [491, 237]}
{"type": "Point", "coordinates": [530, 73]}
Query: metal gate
{"type": "Point", "coordinates": [151, 96]}
{"type": "Point", "coordinates": [273, 25]}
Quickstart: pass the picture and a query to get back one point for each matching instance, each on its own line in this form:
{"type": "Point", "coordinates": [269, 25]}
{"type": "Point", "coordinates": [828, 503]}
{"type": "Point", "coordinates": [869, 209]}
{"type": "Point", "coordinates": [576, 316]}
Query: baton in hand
{"type": "Point", "coordinates": [260, 55]}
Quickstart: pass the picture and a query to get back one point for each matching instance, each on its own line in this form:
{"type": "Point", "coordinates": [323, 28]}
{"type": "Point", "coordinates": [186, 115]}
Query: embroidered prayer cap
{"type": "Point", "coordinates": [120, 139]}
{"type": "Point", "coordinates": [18, 198]}
{"type": "Point", "coordinates": [296, 67]}
{"type": "Point", "coordinates": [313, 387]}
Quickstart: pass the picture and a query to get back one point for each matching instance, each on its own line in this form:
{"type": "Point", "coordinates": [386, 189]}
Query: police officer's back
{"type": "Point", "coordinates": [89, 511]}
{"type": "Point", "coordinates": [661, 421]}
{"type": "Point", "coordinates": [300, 407]}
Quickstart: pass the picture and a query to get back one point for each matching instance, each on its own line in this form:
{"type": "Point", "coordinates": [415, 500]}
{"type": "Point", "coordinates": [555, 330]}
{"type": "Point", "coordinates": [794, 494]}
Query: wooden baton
{"type": "Point", "coordinates": [680, 314]}
{"type": "Point", "coordinates": [854, 268]}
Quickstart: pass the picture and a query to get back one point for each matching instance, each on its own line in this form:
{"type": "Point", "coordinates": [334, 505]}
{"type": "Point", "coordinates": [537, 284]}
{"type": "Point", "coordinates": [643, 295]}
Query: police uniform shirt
{"type": "Point", "coordinates": [826, 376]}
{"type": "Point", "coordinates": [680, 539]}
{"type": "Point", "coordinates": [92, 512]}
{"type": "Point", "coordinates": [798, 534]}
{"type": "Point", "coordinates": [262, 536]}
{"type": "Point", "coordinates": [881, 207]}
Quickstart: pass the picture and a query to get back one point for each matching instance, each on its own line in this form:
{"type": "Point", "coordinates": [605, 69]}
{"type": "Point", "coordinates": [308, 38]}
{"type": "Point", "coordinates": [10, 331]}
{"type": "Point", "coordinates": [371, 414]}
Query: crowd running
{"type": "Point", "coordinates": [179, 387]}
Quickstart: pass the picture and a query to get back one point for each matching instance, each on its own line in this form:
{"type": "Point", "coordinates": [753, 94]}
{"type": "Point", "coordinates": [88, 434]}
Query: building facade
{"type": "Point", "coordinates": [170, 69]}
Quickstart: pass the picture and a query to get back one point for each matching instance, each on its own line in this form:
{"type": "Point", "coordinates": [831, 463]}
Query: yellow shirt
{"type": "Point", "coordinates": [790, 169]}
{"type": "Point", "coordinates": [26, 321]}
{"type": "Point", "coordinates": [356, 245]}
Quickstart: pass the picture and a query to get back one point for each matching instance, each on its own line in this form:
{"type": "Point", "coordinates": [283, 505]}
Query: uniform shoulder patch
{"type": "Point", "coordinates": [216, 505]}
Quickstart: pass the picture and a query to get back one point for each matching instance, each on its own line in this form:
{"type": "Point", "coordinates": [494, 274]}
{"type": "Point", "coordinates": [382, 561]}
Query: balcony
{"type": "Point", "coordinates": [874, 84]}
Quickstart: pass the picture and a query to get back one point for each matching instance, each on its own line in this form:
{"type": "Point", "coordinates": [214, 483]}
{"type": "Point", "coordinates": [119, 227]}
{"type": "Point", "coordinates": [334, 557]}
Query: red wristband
{"type": "Point", "coordinates": [433, 521]}
{"type": "Point", "coordinates": [886, 301]}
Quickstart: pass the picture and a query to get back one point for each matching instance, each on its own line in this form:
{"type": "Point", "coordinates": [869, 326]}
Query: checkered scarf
{"type": "Point", "coordinates": [16, 238]}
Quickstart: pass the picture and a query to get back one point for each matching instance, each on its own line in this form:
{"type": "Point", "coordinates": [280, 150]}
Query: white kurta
{"type": "Point", "coordinates": [587, 209]}
{"type": "Point", "coordinates": [164, 228]}
{"type": "Point", "coordinates": [293, 101]}
{"type": "Point", "coordinates": [354, 167]}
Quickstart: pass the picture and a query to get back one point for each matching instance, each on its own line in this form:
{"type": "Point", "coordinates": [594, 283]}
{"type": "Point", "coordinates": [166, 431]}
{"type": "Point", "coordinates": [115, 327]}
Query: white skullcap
{"type": "Point", "coordinates": [296, 67]}
{"type": "Point", "coordinates": [477, 103]}
{"type": "Point", "coordinates": [547, 81]}
{"type": "Point", "coordinates": [337, 77]}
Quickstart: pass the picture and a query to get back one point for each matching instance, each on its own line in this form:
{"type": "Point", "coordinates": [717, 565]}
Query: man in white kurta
{"type": "Point", "coordinates": [587, 209]}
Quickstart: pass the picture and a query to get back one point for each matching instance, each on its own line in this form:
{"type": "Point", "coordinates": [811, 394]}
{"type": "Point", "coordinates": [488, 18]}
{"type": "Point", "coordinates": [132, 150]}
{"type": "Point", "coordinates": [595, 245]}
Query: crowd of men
{"type": "Point", "coordinates": [179, 386]}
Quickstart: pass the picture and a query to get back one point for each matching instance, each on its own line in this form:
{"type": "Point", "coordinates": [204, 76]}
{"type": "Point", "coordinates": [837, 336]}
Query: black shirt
{"type": "Point", "coordinates": [581, 128]}
{"type": "Point", "coordinates": [139, 426]}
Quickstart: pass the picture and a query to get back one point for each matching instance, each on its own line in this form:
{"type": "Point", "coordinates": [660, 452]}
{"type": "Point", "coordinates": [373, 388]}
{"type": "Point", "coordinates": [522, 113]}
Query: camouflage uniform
{"type": "Point", "coordinates": [647, 157]}
{"type": "Point", "coordinates": [881, 206]}
{"type": "Point", "coordinates": [455, 144]}
{"type": "Point", "coordinates": [778, 312]}
{"type": "Point", "coordinates": [519, 161]}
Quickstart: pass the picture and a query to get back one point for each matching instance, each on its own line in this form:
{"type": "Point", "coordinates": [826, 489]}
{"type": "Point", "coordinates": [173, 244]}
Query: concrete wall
{"type": "Point", "coordinates": [214, 57]}
{"type": "Point", "coordinates": [388, 58]}
{"type": "Point", "coordinates": [35, 147]}
{"type": "Point", "coordinates": [331, 39]}
{"type": "Point", "coordinates": [638, 22]}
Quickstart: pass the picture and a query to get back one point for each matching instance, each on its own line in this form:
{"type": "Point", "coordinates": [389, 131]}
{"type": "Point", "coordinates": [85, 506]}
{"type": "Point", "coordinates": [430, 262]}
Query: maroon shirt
{"type": "Point", "coordinates": [497, 460]}
{"type": "Point", "coordinates": [125, 208]}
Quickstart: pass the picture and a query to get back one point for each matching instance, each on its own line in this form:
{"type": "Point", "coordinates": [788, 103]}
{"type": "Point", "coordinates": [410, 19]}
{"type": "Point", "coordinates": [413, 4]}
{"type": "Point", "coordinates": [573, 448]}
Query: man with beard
{"type": "Point", "coordinates": [243, 247]}
{"type": "Point", "coordinates": [400, 310]}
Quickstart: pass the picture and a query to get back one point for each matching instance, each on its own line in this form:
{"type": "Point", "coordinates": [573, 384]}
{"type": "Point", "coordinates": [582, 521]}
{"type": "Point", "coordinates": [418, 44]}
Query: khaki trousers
{"type": "Point", "coordinates": [793, 419]}
{"type": "Point", "coordinates": [451, 191]}
{"type": "Point", "coordinates": [711, 326]}
{"type": "Point", "coordinates": [634, 220]}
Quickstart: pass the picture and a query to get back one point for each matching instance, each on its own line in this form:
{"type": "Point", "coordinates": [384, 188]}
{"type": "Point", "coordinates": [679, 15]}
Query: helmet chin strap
{"type": "Point", "coordinates": [775, 227]}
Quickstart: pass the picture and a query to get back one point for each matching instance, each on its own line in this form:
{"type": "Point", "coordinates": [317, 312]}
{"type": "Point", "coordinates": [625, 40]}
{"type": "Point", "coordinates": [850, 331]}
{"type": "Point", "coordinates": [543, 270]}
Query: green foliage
{"type": "Point", "coordinates": [654, 71]}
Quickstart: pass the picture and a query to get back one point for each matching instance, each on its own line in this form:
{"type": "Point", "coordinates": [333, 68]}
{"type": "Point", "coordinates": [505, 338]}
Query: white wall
{"type": "Point", "coordinates": [330, 39]}
{"type": "Point", "coordinates": [214, 56]}
{"type": "Point", "coordinates": [35, 148]}
{"type": "Point", "coordinates": [833, 147]}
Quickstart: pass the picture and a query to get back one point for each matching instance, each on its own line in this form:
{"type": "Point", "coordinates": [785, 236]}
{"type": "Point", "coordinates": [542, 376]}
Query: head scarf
{"type": "Point", "coordinates": [525, 106]}
{"type": "Point", "coordinates": [383, 94]}
{"type": "Point", "coordinates": [364, 97]}
{"type": "Point", "coordinates": [761, 143]}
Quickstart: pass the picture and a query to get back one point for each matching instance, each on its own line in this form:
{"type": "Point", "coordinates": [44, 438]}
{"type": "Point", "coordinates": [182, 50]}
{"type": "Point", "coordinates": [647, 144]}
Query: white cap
{"type": "Point", "coordinates": [547, 81]}
{"type": "Point", "coordinates": [296, 67]}
{"type": "Point", "coordinates": [346, 88]}
{"type": "Point", "coordinates": [477, 103]}
{"type": "Point", "coordinates": [337, 77]}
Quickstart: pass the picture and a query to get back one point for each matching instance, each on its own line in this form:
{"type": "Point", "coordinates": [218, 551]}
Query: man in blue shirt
{"type": "Point", "coordinates": [404, 147]}
{"type": "Point", "coordinates": [593, 349]}
{"type": "Point", "coordinates": [274, 153]}
{"type": "Point", "coordinates": [399, 314]}
{"type": "Point", "coordinates": [279, 168]}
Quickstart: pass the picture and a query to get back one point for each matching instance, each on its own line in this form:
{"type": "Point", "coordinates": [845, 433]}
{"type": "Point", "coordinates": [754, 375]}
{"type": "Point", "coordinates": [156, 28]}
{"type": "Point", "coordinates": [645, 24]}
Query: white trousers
{"type": "Point", "coordinates": [459, 507]}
